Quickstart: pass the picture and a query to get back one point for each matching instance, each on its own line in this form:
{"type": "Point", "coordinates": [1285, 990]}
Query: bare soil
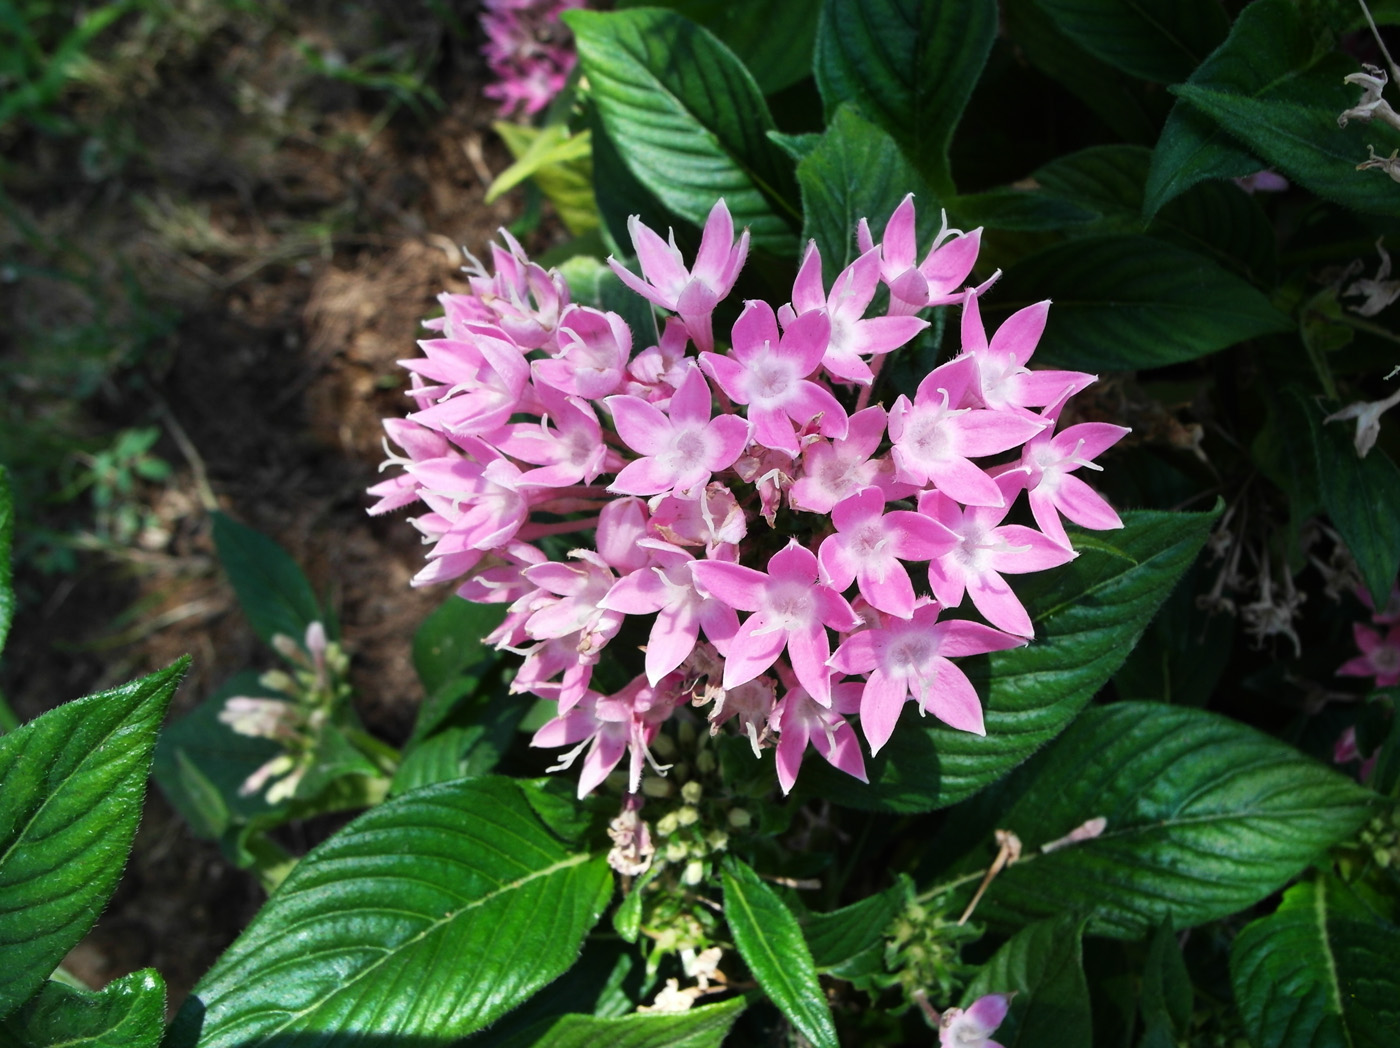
{"type": "Point", "coordinates": [298, 228]}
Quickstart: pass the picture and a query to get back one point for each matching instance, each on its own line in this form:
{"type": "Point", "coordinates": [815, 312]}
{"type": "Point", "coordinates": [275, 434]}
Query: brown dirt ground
{"type": "Point", "coordinates": [300, 236]}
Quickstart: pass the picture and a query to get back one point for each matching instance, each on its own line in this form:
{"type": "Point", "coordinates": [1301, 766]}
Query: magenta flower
{"type": "Point", "coordinates": [682, 448]}
{"type": "Point", "coordinates": [869, 545]}
{"type": "Point", "coordinates": [801, 721]}
{"type": "Point", "coordinates": [529, 50]}
{"type": "Point", "coordinates": [909, 659]}
{"type": "Point", "coordinates": [692, 293]}
{"type": "Point", "coordinates": [852, 337]}
{"type": "Point", "coordinates": [974, 1027]}
{"type": "Point", "coordinates": [594, 348]}
{"type": "Point", "coordinates": [1003, 381]}
{"type": "Point", "coordinates": [985, 550]}
{"type": "Point", "coordinates": [790, 606]}
{"type": "Point", "coordinates": [1379, 658]}
{"type": "Point", "coordinates": [770, 374]}
{"type": "Point", "coordinates": [834, 470]}
{"type": "Point", "coordinates": [937, 280]}
{"type": "Point", "coordinates": [570, 451]}
{"type": "Point", "coordinates": [1048, 462]}
{"type": "Point", "coordinates": [666, 587]}
{"type": "Point", "coordinates": [935, 439]}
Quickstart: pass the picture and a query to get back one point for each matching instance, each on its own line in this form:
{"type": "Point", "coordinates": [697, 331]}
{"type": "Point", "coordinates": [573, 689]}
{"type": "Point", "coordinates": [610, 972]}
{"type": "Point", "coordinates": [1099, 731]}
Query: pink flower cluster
{"type": "Point", "coordinates": [1380, 648]}
{"type": "Point", "coordinates": [788, 548]}
{"type": "Point", "coordinates": [529, 50]}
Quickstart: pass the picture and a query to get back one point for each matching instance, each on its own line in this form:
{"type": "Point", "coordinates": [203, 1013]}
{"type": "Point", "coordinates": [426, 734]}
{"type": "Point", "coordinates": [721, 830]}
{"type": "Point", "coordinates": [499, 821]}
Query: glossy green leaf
{"type": "Point", "coordinates": [1160, 40]}
{"type": "Point", "coordinates": [1167, 997]}
{"type": "Point", "coordinates": [851, 940]}
{"type": "Point", "coordinates": [7, 527]}
{"type": "Point", "coordinates": [769, 939]}
{"type": "Point", "coordinates": [1204, 817]}
{"type": "Point", "coordinates": [426, 918]}
{"type": "Point", "coordinates": [1132, 302]}
{"type": "Point", "coordinates": [462, 750]}
{"type": "Point", "coordinates": [700, 1027]}
{"type": "Point", "coordinates": [773, 38]}
{"type": "Point", "coordinates": [1087, 615]}
{"type": "Point", "coordinates": [127, 1013]}
{"type": "Point", "coordinates": [688, 120]}
{"type": "Point", "coordinates": [1267, 48]}
{"type": "Point", "coordinates": [271, 589]}
{"type": "Point", "coordinates": [71, 786]}
{"type": "Point", "coordinates": [1043, 966]}
{"type": "Point", "coordinates": [1361, 495]}
{"type": "Point", "coordinates": [857, 171]}
{"type": "Point", "coordinates": [909, 65]}
{"type": "Point", "coordinates": [1319, 972]}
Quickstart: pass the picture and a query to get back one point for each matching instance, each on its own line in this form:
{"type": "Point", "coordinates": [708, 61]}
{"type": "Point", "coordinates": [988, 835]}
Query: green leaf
{"type": "Point", "coordinates": [688, 120]}
{"type": "Point", "coordinates": [1205, 816]}
{"type": "Point", "coordinates": [1131, 302]}
{"type": "Point", "coordinates": [770, 941]}
{"type": "Point", "coordinates": [1160, 40]}
{"type": "Point", "coordinates": [127, 1013]}
{"type": "Point", "coordinates": [1319, 972]}
{"type": "Point", "coordinates": [271, 589]}
{"type": "Point", "coordinates": [856, 171]}
{"type": "Point", "coordinates": [71, 786]}
{"type": "Point", "coordinates": [7, 528]}
{"type": "Point", "coordinates": [1361, 495]}
{"type": "Point", "coordinates": [1115, 98]}
{"type": "Point", "coordinates": [910, 65]}
{"type": "Point", "coordinates": [848, 941]}
{"type": "Point", "coordinates": [773, 38]}
{"type": "Point", "coordinates": [1088, 615]}
{"type": "Point", "coordinates": [199, 758]}
{"type": "Point", "coordinates": [1167, 998]}
{"type": "Point", "coordinates": [1267, 47]}
{"type": "Point", "coordinates": [426, 918]}
{"type": "Point", "coordinates": [462, 751]}
{"type": "Point", "coordinates": [1299, 135]}
{"type": "Point", "coordinates": [451, 657]}
{"type": "Point", "coordinates": [1043, 966]}
{"type": "Point", "coordinates": [703, 1027]}
{"type": "Point", "coordinates": [561, 165]}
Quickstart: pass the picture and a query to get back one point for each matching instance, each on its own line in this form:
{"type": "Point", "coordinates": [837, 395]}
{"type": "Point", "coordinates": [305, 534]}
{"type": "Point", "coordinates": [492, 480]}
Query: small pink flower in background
{"type": "Point", "coordinates": [973, 1027]}
{"type": "Point", "coordinates": [1379, 658]}
{"type": "Point", "coordinates": [530, 52]}
{"type": "Point", "coordinates": [743, 500]}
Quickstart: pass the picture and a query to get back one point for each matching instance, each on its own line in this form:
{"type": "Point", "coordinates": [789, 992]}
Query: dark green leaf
{"type": "Point", "coordinates": [462, 751]}
{"type": "Point", "coordinates": [426, 918]}
{"type": "Point", "coordinates": [271, 589]}
{"type": "Point", "coordinates": [1161, 40]}
{"type": "Point", "coordinates": [1018, 210]}
{"type": "Point", "coordinates": [1298, 135]}
{"type": "Point", "coordinates": [1361, 495]}
{"type": "Point", "coordinates": [773, 38]}
{"type": "Point", "coordinates": [857, 171]}
{"type": "Point", "coordinates": [128, 1013]}
{"type": "Point", "coordinates": [450, 645]}
{"type": "Point", "coordinates": [688, 120]}
{"type": "Point", "coordinates": [847, 941]}
{"type": "Point", "coordinates": [1217, 220]}
{"type": "Point", "coordinates": [1167, 998]}
{"type": "Point", "coordinates": [910, 65]}
{"type": "Point", "coordinates": [1043, 966]}
{"type": "Point", "coordinates": [1087, 616]}
{"type": "Point", "coordinates": [770, 940]}
{"type": "Point", "coordinates": [1319, 972]}
{"type": "Point", "coordinates": [1132, 302]}
{"type": "Point", "coordinates": [71, 786]}
{"type": "Point", "coordinates": [1204, 817]}
{"type": "Point", "coordinates": [1267, 47]}
{"type": "Point", "coordinates": [1114, 97]}
{"type": "Point", "coordinates": [702, 1027]}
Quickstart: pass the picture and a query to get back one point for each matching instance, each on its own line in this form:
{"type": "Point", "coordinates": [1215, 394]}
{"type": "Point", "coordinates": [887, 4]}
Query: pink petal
{"type": "Point", "coordinates": [752, 650]}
